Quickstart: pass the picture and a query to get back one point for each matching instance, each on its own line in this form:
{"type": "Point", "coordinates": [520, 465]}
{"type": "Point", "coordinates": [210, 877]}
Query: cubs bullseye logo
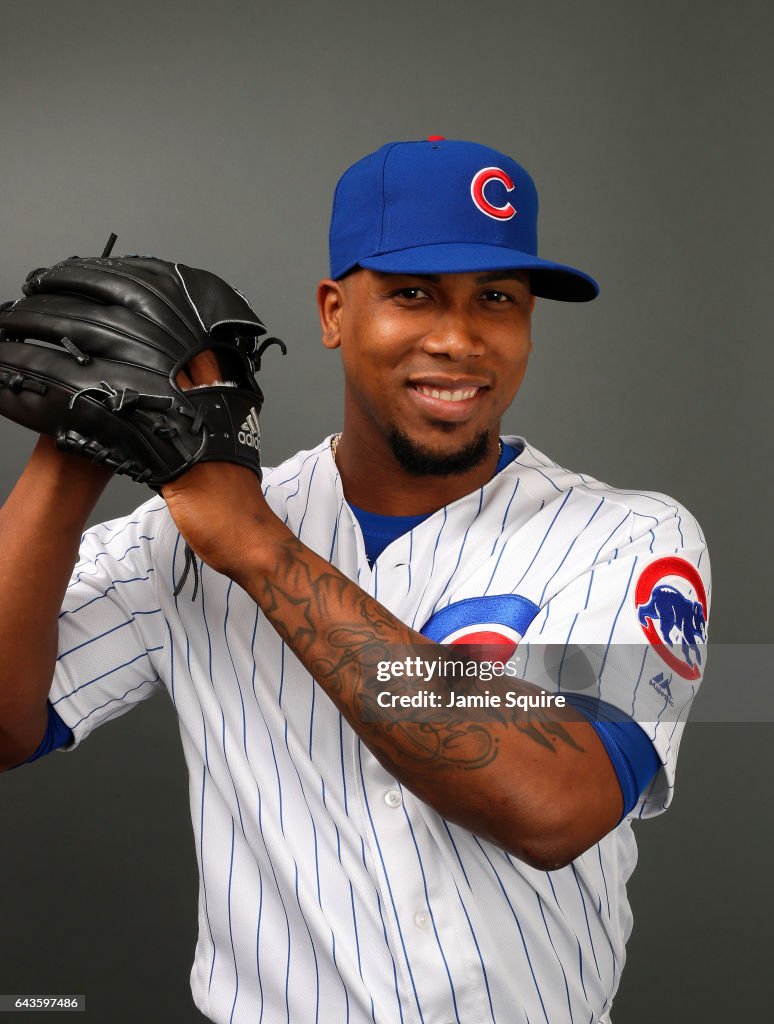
{"type": "Point", "coordinates": [672, 611]}
{"type": "Point", "coordinates": [498, 621]}
{"type": "Point", "coordinates": [478, 185]}
{"type": "Point", "coordinates": [488, 635]}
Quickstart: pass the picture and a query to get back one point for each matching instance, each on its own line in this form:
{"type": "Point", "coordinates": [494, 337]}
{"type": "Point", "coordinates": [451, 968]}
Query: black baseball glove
{"type": "Point", "coordinates": [92, 353]}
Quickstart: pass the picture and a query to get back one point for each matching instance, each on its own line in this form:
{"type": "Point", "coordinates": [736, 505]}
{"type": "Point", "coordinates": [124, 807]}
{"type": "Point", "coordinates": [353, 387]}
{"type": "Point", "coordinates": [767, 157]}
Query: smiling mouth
{"type": "Point", "coordinates": [458, 395]}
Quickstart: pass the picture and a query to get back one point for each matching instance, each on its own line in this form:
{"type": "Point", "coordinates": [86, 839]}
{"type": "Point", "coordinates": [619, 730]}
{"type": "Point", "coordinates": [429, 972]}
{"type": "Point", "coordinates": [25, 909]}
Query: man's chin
{"type": "Point", "coordinates": [422, 461]}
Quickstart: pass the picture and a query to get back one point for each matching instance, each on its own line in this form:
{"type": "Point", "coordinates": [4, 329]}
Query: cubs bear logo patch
{"type": "Point", "coordinates": [672, 610]}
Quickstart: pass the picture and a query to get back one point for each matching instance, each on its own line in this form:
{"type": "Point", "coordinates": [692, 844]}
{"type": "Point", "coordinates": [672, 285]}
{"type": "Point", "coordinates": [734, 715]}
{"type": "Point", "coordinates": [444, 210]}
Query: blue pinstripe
{"type": "Point", "coordinates": [480, 957]}
{"type": "Point", "coordinates": [230, 928]}
{"type": "Point", "coordinates": [311, 944]}
{"type": "Point", "coordinates": [588, 592]}
{"type": "Point", "coordinates": [607, 539]}
{"type": "Point", "coordinates": [411, 554]}
{"type": "Point", "coordinates": [545, 536]}
{"type": "Point", "coordinates": [104, 675]}
{"type": "Point", "coordinates": [293, 476]}
{"type": "Point", "coordinates": [113, 586]}
{"type": "Point", "coordinates": [204, 576]}
{"type": "Point", "coordinates": [258, 930]}
{"type": "Point", "coordinates": [577, 940]}
{"type": "Point", "coordinates": [107, 632]}
{"type": "Point", "coordinates": [308, 496]}
{"type": "Point", "coordinates": [639, 679]}
{"type": "Point", "coordinates": [80, 575]}
{"type": "Point", "coordinates": [569, 549]}
{"type": "Point", "coordinates": [282, 902]}
{"type": "Point", "coordinates": [456, 852]}
{"type": "Point", "coordinates": [544, 477]}
{"type": "Point", "coordinates": [357, 937]}
{"type": "Point", "coordinates": [505, 515]}
{"type": "Point", "coordinates": [612, 630]}
{"type": "Point", "coordinates": [114, 700]}
{"type": "Point", "coordinates": [389, 887]}
{"type": "Point", "coordinates": [316, 857]}
{"type": "Point", "coordinates": [558, 958]}
{"type": "Point", "coordinates": [389, 950]}
{"type": "Point", "coordinates": [586, 917]}
{"type": "Point", "coordinates": [604, 879]}
{"type": "Point", "coordinates": [271, 743]}
{"type": "Point", "coordinates": [233, 666]}
{"type": "Point", "coordinates": [432, 565]}
{"type": "Point", "coordinates": [518, 925]}
{"type": "Point", "coordinates": [503, 548]}
{"type": "Point", "coordinates": [430, 909]}
{"type": "Point", "coordinates": [564, 652]}
{"type": "Point", "coordinates": [459, 553]}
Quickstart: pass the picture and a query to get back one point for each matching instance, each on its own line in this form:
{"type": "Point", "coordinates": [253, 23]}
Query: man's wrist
{"type": "Point", "coordinates": [74, 484]}
{"type": "Point", "coordinates": [259, 552]}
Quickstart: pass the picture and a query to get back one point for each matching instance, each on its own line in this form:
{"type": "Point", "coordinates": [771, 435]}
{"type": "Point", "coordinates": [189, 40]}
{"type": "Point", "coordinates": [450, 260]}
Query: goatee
{"type": "Point", "coordinates": [421, 461]}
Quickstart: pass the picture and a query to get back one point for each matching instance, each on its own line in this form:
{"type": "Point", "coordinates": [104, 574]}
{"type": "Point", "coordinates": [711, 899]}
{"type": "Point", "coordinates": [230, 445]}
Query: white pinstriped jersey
{"type": "Point", "coordinates": [328, 892]}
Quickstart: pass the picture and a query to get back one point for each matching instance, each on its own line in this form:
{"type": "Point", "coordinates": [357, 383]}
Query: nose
{"type": "Point", "coordinates": [455, 336]}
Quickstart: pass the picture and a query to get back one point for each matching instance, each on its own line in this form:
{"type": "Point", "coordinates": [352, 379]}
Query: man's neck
{"type": "Point", "coordinates": [374, 480]}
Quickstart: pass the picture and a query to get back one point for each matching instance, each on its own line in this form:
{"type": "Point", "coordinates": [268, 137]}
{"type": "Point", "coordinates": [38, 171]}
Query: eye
{"type": "Point", "coordinates": [411, 294]}
{"type": "Point", "coordinates": [498, 297]}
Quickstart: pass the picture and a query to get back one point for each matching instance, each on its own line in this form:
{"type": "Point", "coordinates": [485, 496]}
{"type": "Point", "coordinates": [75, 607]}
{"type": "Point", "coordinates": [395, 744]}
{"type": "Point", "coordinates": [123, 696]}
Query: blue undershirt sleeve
{"type": "Point", "coordinates": [632, 754]}
{"type": "Point", "coordinates": [57, 735]}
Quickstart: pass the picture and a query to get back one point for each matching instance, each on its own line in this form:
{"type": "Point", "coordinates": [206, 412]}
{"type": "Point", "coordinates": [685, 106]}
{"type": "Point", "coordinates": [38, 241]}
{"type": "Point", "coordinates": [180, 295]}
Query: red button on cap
{"type": "Point", "coordinates": [436, 138]}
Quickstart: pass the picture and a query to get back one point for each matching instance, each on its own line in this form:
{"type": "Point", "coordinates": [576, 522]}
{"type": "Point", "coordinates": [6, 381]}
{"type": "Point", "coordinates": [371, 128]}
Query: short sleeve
{"type": "Point", "coordinates": [112, 632]}
{"type": "Point", "coordinates": [631, 630]}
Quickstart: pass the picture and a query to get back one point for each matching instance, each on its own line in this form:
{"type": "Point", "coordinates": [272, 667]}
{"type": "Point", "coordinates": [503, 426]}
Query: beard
{"type": "Point", "coordinates": [421, 461]}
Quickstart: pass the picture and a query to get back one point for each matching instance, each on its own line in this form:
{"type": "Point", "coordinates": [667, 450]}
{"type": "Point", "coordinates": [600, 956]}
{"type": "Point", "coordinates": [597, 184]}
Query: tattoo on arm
{"type": "Point", "coordinates": [341, 634]}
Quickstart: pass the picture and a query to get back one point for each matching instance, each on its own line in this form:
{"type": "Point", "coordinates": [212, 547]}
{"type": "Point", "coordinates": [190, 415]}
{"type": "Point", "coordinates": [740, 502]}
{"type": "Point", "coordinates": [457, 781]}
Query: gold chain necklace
{"type": "Point", "coordinates": [337, 437]}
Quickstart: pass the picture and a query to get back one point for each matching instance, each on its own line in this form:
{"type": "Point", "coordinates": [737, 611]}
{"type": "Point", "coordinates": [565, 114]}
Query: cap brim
{"type": "Point", "coordinates": [547, 280]}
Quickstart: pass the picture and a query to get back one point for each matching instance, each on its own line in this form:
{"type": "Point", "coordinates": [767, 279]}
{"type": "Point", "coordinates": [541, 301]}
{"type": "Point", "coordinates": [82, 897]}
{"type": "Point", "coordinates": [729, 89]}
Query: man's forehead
{"type": "Point", "coordinates": [484, 277]}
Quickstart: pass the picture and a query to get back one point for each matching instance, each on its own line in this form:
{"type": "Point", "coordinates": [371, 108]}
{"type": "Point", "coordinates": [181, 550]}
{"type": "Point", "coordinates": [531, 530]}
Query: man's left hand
{"type": "Point", "coordinates": [218, 507]}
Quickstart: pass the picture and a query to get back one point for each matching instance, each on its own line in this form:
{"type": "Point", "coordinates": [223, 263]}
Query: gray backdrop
{"type": "Point", "coordinates": [216, 137]}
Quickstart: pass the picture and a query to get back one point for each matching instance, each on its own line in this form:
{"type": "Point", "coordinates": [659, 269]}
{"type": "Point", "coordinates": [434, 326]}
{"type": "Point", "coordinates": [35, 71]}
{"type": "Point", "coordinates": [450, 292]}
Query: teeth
{"type": "Point", "coordinates": [447, 396]}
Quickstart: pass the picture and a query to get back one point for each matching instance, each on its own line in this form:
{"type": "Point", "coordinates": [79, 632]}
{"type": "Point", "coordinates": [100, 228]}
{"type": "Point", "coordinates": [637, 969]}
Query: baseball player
{"type": "Point", "coordinates": [355, 866]}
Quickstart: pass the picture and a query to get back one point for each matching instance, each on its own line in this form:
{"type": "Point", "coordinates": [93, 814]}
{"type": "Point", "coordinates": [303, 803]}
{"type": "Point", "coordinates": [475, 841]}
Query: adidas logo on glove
{"type": "Point", "coordinates": [250, 433]}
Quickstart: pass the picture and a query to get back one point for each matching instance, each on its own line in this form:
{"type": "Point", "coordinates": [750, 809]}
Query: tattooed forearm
{"type": "Point", "coordinates": [341, 635]}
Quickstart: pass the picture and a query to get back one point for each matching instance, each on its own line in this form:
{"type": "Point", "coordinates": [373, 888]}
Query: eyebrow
{"type": "Point", "coordinates": [501, 275]}
{"type": "Point", "coordinates": [492, 275]}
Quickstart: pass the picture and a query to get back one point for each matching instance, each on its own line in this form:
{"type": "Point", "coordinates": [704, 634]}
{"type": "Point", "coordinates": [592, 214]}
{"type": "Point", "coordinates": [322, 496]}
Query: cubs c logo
{"type": "Point", "coordinates": [672, 610]}
{"type": "Point", "coordinates": [478, 185]}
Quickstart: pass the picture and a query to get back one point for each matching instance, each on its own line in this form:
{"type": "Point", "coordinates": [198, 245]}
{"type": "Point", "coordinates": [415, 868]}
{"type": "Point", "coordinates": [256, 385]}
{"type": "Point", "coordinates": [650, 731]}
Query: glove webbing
{"type": "Point", "coordinates": [130, 400]}
{"type": "Point", "coordinates": [125, 400]}
{"type": "Point", "coordinates": [72, 441]}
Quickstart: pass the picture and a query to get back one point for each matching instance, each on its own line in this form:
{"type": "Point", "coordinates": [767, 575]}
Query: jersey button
{"type": "Point", "coordinates": [422, 919]}
{"type": "Point", "coordinates": [393, 798]}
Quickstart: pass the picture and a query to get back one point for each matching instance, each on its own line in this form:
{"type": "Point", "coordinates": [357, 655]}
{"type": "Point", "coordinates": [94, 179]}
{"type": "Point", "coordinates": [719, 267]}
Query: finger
{"type": "Point", "coordinates": [204, 368]}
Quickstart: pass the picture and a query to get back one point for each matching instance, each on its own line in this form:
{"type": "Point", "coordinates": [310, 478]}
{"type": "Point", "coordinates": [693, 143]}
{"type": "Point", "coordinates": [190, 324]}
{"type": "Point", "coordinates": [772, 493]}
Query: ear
{"type": "Point", "coordinates": [531, 311]}
{"type": "Point", "coordinates": [330, 305]}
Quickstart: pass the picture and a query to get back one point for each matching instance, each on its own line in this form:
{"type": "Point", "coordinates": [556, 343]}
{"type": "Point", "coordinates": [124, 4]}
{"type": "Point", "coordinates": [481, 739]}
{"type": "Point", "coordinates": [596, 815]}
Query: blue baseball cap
{"type": "Point", "coordinates": [442, 206]}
